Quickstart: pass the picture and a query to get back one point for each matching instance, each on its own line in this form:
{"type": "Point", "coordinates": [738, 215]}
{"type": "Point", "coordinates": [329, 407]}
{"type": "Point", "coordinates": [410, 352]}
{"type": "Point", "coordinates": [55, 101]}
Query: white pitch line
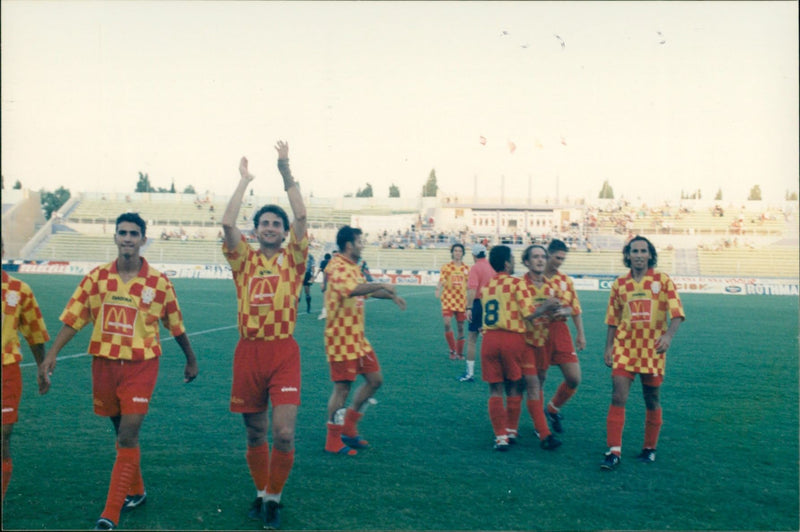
{"type": "Point", "coordinates": [207, 331]}
{"type": "Point", "coordinates": [78, 355]}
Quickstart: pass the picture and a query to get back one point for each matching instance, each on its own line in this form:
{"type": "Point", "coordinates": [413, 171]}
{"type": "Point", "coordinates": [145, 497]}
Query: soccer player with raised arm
{"type": "Point", "coordinates": [266, 361]}
{"type": "Point", "coordinates": [561, 351]}
{"type": "Point", "coordinates": [507, 305]}
{"type": "Point", "coordinates": [452, 290]}
{"type": "Point", "coordinates": [348, 351]}
{"type": "Point", "coordinates": [21, 315]}
{"type": "Point", "coordinates": [123, 302]}
{"type": "Point", "coordinates": [644, 313]}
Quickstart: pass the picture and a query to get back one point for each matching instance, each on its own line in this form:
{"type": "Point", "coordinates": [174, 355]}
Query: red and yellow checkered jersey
{"type": "Point", "coordinates": [536, 333]}
{"type": "Point", "coordinates": [639, 311]}
{"type": "Point", "coordinates": [506, 301]}
{"type": "Point", "coordinates": [344, 330]}
{"type": "Point", "coordinates": [564, 290]}
{"type": "Point", "coordinates": [21, 315]}
{"type": "Point", "coordinates": [125, 316]}
{"type": "Point", "coordinates": [454, 286]}
{"type": "Point", "coordinates": [267, 289]}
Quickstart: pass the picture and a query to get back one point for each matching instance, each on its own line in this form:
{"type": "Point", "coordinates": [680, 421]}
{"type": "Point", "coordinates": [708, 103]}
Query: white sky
{"type": "Point", "coordinates": [94, 92]}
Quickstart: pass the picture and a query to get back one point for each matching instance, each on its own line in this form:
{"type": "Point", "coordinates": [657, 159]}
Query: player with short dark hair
{"type": "Point", "coordinates": [123, 301]}
{"type": "Point", "coordinates": [348, 351]}
{"type": "Point", "coordinates": [452, 290]}
{"type": "Point", "coordinates": [561, 351]}
{"type": "Point", "coordinates": [507, 305]}
{"type": "Point", "coordinates": [640, 305]}
{"type": "Point", "coordinates": [21, 315]}
{"type": "Point", "coordinates": [266, 361]}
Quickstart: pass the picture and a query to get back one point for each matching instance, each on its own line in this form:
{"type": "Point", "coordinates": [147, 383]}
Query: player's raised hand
{"type": "Point", "coordinates": [282, 147]}
{"type": "Point", "coordinates": [243, 171]}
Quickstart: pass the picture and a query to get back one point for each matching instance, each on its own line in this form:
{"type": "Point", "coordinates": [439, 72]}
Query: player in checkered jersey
{"type": "Point", "coordinates": [123, 302]}
{"type": "Point", "coordinates": [641, 305]}
{"type": "Point", "coordinates": [561, 351]}
{"type": "Point", "coordinates": [266, 361]}
{"type": "Point", "coordinates": [507, 305]}
{"type": "Point", "coordinates": [21, 315]}
{"type": "Point", "coordinates": [348, 350]}
{"type": "Point", "coordinates": [452, 290]}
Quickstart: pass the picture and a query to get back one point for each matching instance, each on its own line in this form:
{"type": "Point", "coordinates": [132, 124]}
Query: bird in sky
{"type": "Point", "coordinates": [563, 44]}
{"type": "Point", "coordinates": [663, 40]}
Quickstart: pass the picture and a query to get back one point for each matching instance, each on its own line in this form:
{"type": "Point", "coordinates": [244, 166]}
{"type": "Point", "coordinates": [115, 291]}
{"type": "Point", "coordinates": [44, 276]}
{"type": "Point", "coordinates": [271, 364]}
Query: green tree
{"type": "Point", "coordinates": [394, 192]}
{"type": "Point", "coordinates": [172, 187]}
{"type": "Point", "coordinates": [718, 197]}
{"type": "Point", "coordinates": [791, 196]}
{"type": "Point", "coordinates": [143, 185]}
{"type": "Point", "coordinates": [430, 187]}
{"type": "Point", "coordinates": [606, 192]}
{"type": "Point", "coordinates": [52, 201]}
{"type": "Point", "coordinates": [17, 184]}
{"type": "Point", "coordinates": [755, 193]}
{"type": "Point", "coordinates": [366, 192]}
{"type": "Point", "coordinates": [190, 190]}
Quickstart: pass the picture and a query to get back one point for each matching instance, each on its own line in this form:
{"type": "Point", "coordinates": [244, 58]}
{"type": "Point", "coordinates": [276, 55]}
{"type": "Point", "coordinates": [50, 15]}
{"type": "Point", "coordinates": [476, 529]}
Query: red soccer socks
{"type": "Point", "coordinates": [280, 465]}
{"type": "Point", "coordinates": [122, 477]}
{"type": "Point", "coordinates": [258, 462]}
{"type": "Point", "coordinates": [652, 428]}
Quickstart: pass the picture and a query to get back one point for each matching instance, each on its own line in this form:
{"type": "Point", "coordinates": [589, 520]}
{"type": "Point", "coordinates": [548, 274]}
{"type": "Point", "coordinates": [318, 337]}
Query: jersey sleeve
{"type": "Point", "coordinates": [614, 310]}
{"type": "Point", "coordinates": [172, 318]}
{"type": "Point", "coordinates": [78, 312]}
{"type": "Point", "coordinates": [236, 257]}
{"type": "Point", "coordinates": [31, 322]}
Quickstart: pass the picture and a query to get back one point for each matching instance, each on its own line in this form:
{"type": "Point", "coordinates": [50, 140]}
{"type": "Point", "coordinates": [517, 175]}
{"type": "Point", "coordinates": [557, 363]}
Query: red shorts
{"type": "Point", "coordinates": [560, 346]}
{"type": "Point", "coordinates": [121, 386]}
{"type": "Point", "coordinates": [264, 371]}
{"type": "Point", "coordinates": [12, 393]}
{"type": "Point", "coordinates": [531, 358]}
{"type": "Point", "coordinates": [348, 370]}
{"type": "Point", "coordinates": [461, 315]}
{"type": "Point", "coordinates": [501, 356]}
{"type": "Point", "coordinates": [654, 381]}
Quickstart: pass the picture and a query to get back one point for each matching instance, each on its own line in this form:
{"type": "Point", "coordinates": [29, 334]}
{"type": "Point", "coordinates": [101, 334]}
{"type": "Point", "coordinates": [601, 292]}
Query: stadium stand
{"type": "Point", "coordinates": [184, 228]}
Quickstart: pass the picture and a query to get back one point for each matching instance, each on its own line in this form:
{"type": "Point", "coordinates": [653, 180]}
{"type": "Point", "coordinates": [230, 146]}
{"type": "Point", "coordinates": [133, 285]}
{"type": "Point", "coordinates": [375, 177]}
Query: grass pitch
{"type": "Point", "coordinates": [727, 456]}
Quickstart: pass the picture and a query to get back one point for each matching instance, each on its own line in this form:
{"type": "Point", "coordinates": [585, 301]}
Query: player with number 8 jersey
{"type": "Point", "coordinates": [507, 304]}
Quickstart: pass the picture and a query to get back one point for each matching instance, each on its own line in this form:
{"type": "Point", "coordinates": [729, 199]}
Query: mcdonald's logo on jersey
{"type": "Point", "coordinates": [640, 309]}
{"type": "Point", "coordinates": [118, 319]}
{"type": "Point", "coordinates": [262, 290]}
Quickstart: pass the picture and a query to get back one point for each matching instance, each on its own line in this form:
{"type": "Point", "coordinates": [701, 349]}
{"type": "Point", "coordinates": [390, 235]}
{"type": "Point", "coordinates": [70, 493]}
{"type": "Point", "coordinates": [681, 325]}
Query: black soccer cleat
{"type": "Point", "coordinates": [271, 512]}
{"type": "Point", "coordinates": [555, 421]}
{"type": "Point", "coordinates": [647, 456]}
{"type": "Point", "coordinates": [550, 443]}
{"type": "Point", "coordinates": [610, 462]}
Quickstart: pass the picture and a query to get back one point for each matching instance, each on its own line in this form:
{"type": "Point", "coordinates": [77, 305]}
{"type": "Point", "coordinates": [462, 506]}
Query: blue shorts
{"type": "Point", "coordinates": [477, 316]}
